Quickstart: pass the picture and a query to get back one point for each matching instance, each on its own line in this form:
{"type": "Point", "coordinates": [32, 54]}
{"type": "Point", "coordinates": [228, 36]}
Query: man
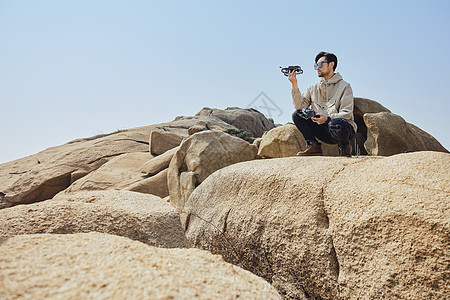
{"type": "Point", "coordinates": [332, 100]}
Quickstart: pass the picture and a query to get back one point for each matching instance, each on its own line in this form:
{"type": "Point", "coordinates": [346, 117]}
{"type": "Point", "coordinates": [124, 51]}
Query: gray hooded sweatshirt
{"type": "Point", "coordinates": [332, 97]}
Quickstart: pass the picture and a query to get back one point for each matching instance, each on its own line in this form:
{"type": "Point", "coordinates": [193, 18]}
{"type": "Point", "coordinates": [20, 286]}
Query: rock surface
{"type": "Point", "coordinates": [391, 227]}
{"type": "Point", "coordinates": [335, 228]}
{"type": "Point", "coordinates": [101, 266]}
{"type": "Point", "coordinates": [159, 163]}
{"type": "Point", "coordinates": [146, 218]}
{"type": "Point", "coordinates": [361, 107]}
{"type": "Point", "coordinates": [199, 156]}
{"type": "Point", "coordinates": [249, 120]}
{"type": "Point", "coordinates": [160, 141]}
{"type": "Point", "coordinates": [119, 173]}
{"type": "Point", "coordinates": [389, 134]}
{"type": "Point", "coordinates": [281, 141]}
{"type": "Point", "coordinates": [155, 185]}
{"type": "Point", "coordinates": [41, 176]}
{"type": "Point", "coordinates": [286, 140]}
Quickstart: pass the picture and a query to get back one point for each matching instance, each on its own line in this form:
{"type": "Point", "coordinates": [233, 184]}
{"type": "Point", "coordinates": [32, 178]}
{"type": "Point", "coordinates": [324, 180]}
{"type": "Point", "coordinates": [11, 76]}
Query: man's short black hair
{"type": "Point", "coordinates": [330, 58]}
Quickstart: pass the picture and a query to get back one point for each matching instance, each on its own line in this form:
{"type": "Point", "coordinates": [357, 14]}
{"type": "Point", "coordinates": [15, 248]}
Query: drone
{"type": "Point", "coordinates": [286, 71]}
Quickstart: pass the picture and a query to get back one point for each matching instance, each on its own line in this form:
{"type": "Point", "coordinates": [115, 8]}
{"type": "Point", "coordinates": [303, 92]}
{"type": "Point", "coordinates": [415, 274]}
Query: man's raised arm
{"type": "Point", "coordinates": [300, 101]}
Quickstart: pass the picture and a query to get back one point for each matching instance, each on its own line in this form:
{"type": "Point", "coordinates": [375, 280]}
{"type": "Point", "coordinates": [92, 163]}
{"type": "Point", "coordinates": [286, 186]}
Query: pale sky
{"type": "Point", "coordinates": [72, 69]}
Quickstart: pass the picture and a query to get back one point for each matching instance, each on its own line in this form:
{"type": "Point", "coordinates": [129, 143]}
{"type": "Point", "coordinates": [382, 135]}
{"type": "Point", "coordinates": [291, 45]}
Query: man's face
{"type": "Point", "coordinates": [323, 67]}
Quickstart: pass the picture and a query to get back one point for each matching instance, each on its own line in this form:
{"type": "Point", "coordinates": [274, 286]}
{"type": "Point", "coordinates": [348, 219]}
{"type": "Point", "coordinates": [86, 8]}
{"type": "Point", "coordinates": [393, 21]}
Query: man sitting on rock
{"type": "Point", "coordinates": [332, 100]}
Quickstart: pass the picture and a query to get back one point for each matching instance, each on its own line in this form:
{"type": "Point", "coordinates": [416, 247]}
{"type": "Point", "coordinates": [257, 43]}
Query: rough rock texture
{"type": "Point", "coordinates": [200, 155]}
{"type": "Point", "coordinates": [155, 185]}
{"type": "Point", "coordinates": [249, 120]}
{"type": "Point", "coordinates": [361, 107]}
{"type": "Point", "coordinates": [390, 222]}
{"type": "Point", "coordinates": [159, 163]}
{"type": "Point", "coordinates": [146, 218]}
{"type": "Point", "coordinates": [101, 266]}
{"type": "Point", "coordinates": [286, 141]}
{"type": "Point", "coordinates": [160, 141]}
{"type": "Point", "coordinates": [389, 134]}
{"type": "Point", "coordinates": [281, 141]}
{"type": "Point", "coordinates": [118, 173]}
{"type": "Point", "coordinates": [364, 105]}
{"type": "Point", "coordinates": [335, 228]}
{"type": "Point", "coordinates": [202, 125]}
{"type": "Point", "coordinates": [40, 176]}
{"type": "Point", "coordinates": [183, 123]}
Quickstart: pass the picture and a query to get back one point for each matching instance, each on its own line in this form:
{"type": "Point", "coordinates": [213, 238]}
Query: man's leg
{"type": "Point", "coordinates": [305, 127]}
{"type": "Point", "coordinates": [310, 130]}
{"type": "Point", "coordinates": [341, 131]}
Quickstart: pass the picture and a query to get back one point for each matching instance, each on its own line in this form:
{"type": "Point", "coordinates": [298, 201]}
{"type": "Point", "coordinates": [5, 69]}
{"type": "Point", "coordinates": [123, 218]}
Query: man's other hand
{"type": "Point", "coordinates": [322, 119]}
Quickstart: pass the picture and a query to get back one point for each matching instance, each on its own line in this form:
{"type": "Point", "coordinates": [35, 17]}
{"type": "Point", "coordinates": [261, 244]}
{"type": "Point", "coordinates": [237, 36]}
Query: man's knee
{"type": "Point", "coordinates": [340, 129]}
{"type": "Point", "coordinates": [338, 122]}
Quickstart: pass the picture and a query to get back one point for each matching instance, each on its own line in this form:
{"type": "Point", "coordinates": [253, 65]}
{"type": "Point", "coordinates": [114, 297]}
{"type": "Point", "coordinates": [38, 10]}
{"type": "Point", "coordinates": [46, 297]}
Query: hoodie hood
{"type": "Point", "coordinates": [327, 88]}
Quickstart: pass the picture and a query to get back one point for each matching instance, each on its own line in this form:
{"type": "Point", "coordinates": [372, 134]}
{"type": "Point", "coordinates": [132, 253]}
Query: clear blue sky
{"type": "Point", "coordinates": [71, 69]}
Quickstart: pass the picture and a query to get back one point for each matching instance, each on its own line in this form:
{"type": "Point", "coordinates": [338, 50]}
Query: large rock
{"type": "Point", "coordinates": [125, 173]}
{"type": "Point", "coordinates": [117, 174]}
{"type": "Point", "coordinates": [389, 134]}
{"type": "Point", "coordinates": [199, 156]}
{"type": "Point", "coordinates": [390, 223]}
{"type": "Point", "coordinates": [160, 141]}
{"type": "Point", "coordinates": [101, 266]}
{"type": "Point", "coordinates": [159, 163]}
{"type": "Point", "coordinates": [361, 107]}
{"type": "Point", "coordinates": [41, 176]}
{"type": "Point", "coordinates": [249, 119]}
{"type": "Point", "coordinates": [155, 185]}
{"type": "Point", "coordinates": [286, 140]}
{"type": "Point", "coordinates": [334, 228]}
{"type": "Point", "coordinates": [146, 218]}
{"type": "Point", "coordinates": [182, 124]}
{"type": "Point", "coordinates": [281, 141]}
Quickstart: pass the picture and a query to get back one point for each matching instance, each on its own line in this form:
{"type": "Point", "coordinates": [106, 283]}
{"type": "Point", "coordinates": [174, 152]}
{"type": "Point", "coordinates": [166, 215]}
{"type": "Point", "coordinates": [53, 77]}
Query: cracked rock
{"type": "Point", "coordinates": [331, 227]}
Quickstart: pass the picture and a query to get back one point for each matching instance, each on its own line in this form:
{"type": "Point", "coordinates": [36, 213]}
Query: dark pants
{"type": "Point", "coordinates": [336, 131]}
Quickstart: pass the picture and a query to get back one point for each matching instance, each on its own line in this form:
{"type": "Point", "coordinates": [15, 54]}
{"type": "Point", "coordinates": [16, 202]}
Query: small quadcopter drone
{"type": "Point", "coordinates": [286, 71]}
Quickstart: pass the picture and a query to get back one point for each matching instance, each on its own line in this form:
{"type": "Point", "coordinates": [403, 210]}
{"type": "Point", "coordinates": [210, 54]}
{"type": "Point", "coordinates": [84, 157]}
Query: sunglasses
{"type": "Point", "coordinates": [319, 64]}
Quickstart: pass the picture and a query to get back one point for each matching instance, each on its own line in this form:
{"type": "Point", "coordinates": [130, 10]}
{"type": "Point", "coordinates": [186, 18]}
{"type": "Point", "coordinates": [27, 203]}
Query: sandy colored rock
{"type": "Point", "coordinates": [120, 172]}
{"type": "Point", "coordinates": [146, 218]}
{"type": "Point", "coordinates": [249, 119]}
{"type": "Point", "coordinates": [199, 156]}
{"type": "Point", "coordinates": [389, 134]}
{"type": "Point", "coordinates": [161, 141]}
{"type": "Point", "coordinates": [286, 140]}
{"type": "Point", "coordinates": [390, 222]}
{"type": "Point", "coordinates": [281, 141]}
{"type": "Point", "coordinates": [158, 163]}
{"type": "Point", "coordinates": [155, 185]}
{"type": "Point", "coordinates": [183, 123]}
{"type": "Point", "coordinates": [365, 105]}
{"type": "Point", "coordinates": [101, 266]}
{"type": "Point", "coordinates": [202, 125]}
{"type": "Point", "coordinates": [267, 216]}
{"type": "Point", "coordinates": [40, 176]}
{"type": "Point", "coordinates": [331, 227]}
